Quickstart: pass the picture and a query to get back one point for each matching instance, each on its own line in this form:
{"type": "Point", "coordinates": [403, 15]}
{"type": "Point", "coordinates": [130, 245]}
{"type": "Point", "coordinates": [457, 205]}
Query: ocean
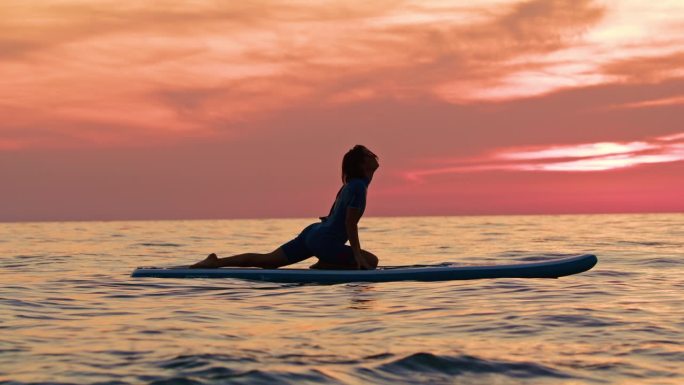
{"type": "Point", "coordinates": [70, 313]}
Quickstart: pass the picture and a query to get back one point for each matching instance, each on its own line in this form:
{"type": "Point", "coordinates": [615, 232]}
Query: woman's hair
{"type": "Point", "coordinates": [353, 161]}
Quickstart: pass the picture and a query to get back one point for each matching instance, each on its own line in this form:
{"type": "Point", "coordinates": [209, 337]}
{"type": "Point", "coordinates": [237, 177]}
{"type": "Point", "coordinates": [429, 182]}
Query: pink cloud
{"type": "Point", "coordinates": [678, 136]}
{"type": "Point", "coordinates": [579, 150]}
{"type": "Point", "coordinates": [179, 70]}
{"type": "Point", "coordinates": [603, 163]}
{"type": "Point", "coordinates": [670, 101]}
{"type": "Point", "coordinates": [583, 157]}
{"type": "Point", "coordinates": [209, 67]}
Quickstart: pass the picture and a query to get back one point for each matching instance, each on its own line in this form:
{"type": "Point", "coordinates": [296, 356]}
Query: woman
{"type": "Point", "coordinates": [326, 239]}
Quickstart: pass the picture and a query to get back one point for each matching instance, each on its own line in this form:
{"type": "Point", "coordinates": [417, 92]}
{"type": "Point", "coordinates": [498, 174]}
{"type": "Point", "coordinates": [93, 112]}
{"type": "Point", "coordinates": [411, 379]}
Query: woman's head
{"type": "Point", "coordinates": [359, 162]}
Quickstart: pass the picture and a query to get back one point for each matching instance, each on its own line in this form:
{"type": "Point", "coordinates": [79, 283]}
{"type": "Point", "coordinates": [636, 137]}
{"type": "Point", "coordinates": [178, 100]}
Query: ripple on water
{"type": "Point", "coordinates": [196, 370]}
{"type": "Point", "coordinates": [159, 244]}
{"type": "Point", "coordinates": [580, 320]}
{"type": "Point", "coordinates": [185, 361]}
{"type": "Point", "coordinates": [423, 367]}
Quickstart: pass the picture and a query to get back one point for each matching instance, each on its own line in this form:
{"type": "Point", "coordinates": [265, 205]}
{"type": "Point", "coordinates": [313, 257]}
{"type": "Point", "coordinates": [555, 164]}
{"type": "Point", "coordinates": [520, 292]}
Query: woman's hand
{"type": "Point", "coordinates": [362, 263]}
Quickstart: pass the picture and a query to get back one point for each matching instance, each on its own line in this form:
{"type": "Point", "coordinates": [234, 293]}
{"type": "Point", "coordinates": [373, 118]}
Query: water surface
{"type": "Point", "coordinates": [70, 313]}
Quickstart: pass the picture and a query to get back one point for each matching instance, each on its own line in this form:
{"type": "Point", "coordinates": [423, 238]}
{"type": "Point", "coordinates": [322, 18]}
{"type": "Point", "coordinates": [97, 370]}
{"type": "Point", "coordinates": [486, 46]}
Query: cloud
{"type": "Point", "coordinates": [583, 157]}
{"type": "Point", "coordinates": [204, 70]}
{"type": "Point", "coordinates": [178, 69]}
{"type": "Point", "coordinates": [677, 136]}
{"type": "Point", "coordinates": [661, 102]}
{"type": "Point", "coordinates": [611, 162]}
{"type": "Point", "coordinates": [578, 151]}
{"type": "Point", "coordinates": [30, 25]}
{"type": "Point", "coordinates": [647, 69]}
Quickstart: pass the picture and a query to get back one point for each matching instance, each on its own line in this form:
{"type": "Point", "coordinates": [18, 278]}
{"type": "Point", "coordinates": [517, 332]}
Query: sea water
{"type": "Point", "coordinates": [71, 313]}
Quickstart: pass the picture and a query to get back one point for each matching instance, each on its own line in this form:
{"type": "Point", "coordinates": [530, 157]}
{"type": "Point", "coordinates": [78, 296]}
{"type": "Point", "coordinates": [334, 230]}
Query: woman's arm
{"type": "Point", "coordinates": [351, 224]}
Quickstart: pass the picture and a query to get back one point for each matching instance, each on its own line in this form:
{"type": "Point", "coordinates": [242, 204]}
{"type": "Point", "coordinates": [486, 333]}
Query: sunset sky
{"type": "Point", "coordinates": [231, 109]}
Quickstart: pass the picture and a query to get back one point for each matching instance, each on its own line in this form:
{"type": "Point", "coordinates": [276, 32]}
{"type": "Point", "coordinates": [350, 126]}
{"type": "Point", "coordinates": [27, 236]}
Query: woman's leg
{"type": "Point", "coordinates": [327, 265]}
{"type": "Point", "coordinates": [371, 258]}
{"type": "Point", "coordinates": [272, 260]}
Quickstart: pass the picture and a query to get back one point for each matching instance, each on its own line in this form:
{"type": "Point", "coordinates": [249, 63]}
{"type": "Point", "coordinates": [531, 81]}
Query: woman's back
{"type": "Point", "coordinates": [333, 228]}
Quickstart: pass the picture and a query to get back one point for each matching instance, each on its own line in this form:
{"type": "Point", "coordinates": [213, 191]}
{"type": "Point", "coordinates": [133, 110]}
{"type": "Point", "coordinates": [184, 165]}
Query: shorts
{"type": "Point", "coordinates": [298, 249]}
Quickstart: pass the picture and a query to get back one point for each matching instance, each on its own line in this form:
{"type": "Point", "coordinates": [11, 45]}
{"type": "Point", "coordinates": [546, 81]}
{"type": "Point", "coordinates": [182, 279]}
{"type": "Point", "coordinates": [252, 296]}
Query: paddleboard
{"type": "Point", "coordinates": [544, 269]}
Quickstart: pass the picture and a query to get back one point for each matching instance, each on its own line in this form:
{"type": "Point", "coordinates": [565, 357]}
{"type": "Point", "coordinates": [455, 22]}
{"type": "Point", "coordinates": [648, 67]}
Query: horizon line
{"type": "Point", "coordinates": [367, 217]}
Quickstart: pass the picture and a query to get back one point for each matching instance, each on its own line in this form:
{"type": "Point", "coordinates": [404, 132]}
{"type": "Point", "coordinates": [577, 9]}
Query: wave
{"type": "Point", "coordinates": [419, 364]}
{"type": "Point", "coordinates": [159, 244]}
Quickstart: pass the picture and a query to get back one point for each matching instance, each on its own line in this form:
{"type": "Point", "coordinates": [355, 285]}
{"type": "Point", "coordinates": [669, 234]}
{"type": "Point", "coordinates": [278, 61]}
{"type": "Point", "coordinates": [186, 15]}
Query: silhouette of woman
{"type": "Point", "coordinates": [326, 239]}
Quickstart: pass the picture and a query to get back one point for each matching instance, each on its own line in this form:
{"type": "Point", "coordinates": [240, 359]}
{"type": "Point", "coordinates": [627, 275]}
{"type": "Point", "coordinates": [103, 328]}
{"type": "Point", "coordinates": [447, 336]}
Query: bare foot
{"type": "Point", "coordinates": [210, 262]}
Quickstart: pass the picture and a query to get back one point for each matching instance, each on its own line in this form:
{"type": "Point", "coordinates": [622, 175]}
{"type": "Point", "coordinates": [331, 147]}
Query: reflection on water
{"type": "Point", "coordinates": [361, 296]}
{"type": "Point", "coordinates": [69, 308]}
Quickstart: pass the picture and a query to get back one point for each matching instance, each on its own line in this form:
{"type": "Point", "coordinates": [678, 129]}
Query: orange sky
{"type": "Point", "coordinates": [206, 109]}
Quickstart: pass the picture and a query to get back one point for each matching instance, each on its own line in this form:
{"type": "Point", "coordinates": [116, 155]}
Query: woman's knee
{"type": "Point", "coordinates": [371, 258]}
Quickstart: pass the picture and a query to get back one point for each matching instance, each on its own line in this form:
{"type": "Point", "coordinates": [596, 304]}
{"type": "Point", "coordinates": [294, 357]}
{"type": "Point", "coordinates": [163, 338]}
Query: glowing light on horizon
{"type": "Point", "coordinates": [585, 157]}
{"type": "Point", "coordinates": [678, 136]}
{"type": "Point", "coordinates": [579, 151]}
{"type": "Point", "coordinates": [651, 103]}
{"type": "Point", "coordinates": [607, 162]}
